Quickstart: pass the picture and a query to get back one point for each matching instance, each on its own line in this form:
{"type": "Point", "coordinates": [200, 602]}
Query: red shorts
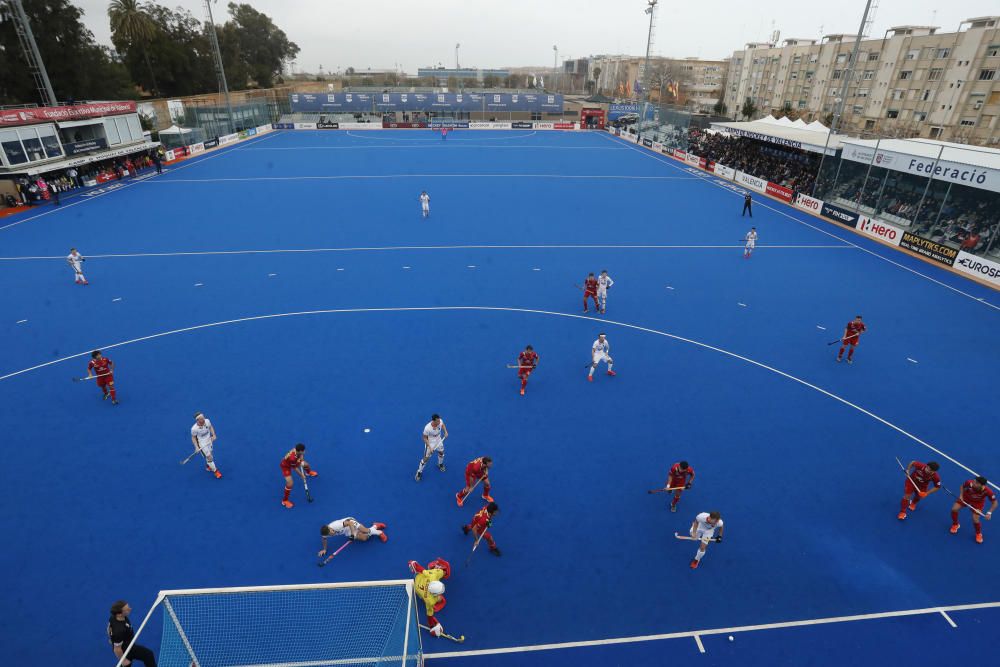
{"type": "Point", "coordinates": [908, 488]}
{"type": "Point", "coordinates": [524, 371]}
{"type": "Point", "coordinates": [979, 506]}
{"type": "Point", "coordinates": [590, 294]}
{"type": "Point", "coordinates": [286, 471]}
{"type": "Point", "coordinates": [850, 341]}
{"type": "Point", "coordinates": [105, 380]}
{"type": "Point", "coordinates": [470, 479]}
{"type": "Point", "coordinates": [675, 483]}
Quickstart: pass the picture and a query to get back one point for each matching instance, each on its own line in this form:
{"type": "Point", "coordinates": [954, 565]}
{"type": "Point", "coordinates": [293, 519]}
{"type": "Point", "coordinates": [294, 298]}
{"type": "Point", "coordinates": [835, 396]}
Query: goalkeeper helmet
{"type": "Point", "coordinates": [435, 588]}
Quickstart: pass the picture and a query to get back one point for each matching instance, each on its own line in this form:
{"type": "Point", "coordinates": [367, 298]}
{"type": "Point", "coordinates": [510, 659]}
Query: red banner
{"type": "Point", "coordinates": [562, 126]}
{"type": "Point", "coordinates": [13, 117]}
{"type": "Point", "coordinates": [779, 192]}
{"type": "Point", "coordinates": [679, 154]}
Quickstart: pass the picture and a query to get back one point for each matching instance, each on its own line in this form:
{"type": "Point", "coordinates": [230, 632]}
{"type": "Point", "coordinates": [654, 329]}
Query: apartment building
{"type": "Point", "coordinates": [914, 81]}
{"type": "Point", "coordinates": [699, 83]}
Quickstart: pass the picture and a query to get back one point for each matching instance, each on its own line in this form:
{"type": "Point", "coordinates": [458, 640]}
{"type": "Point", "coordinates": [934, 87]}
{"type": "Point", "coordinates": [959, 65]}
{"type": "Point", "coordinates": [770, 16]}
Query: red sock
{"type": "Point", "coordinates": [105, 390]}
{"type": "Point", "coordinates": [902, 505]}
{"type": "Point", "coordinates": [674, 501]}
{"type": "Point", "coordinates": [524, 382]}
{"type": "Point", "coordinates": [841, 353]}
{"type": "Point", "coordinates": [287, 491]}
{"type": "Point", "coordinates": [850, 353]}
{"type": "Point", "coordinates": [916, 499]}
{"type": "Point", "coordinates": [978, 527]}
{"type": "Point", "coordinates": [113, 394]}
{"type": "Point", "coordinates": [954, 518]}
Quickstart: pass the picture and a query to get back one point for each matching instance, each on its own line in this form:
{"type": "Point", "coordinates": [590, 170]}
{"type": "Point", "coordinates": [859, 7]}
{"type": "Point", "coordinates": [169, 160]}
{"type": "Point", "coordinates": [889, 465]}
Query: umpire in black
{"type": "Point", "coordinates": [746, 205]}
{"type": "Point", "coordinates": [120, 634]}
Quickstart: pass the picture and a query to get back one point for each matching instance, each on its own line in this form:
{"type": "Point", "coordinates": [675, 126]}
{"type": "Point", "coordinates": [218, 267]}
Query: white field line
{"type": "Point", "coordinates": [437, 138]}
{"type": "Point", "coordinates": [701, 647]}
{"type": "Point", "coordinates": [500, 309]}
{"type": "Point", "coordinates": [948, 618]}
{"type": "Point", "coordinates": [355, 177]}
{"type": "Point", "coordinates": [443, 247]}
{"type": "Point", "coordinates": [715, 631]}
{"type": "Point", "coordinates": [714, 180]}
{"type": "Point", "coordinates": [528, 147]}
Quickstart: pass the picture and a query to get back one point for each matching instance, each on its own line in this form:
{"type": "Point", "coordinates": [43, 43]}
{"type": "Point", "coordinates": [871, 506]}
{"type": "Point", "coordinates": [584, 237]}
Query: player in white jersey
{"type": "Point", "coordinates": [352, 529]}
{"type": "Point", "coordinates": [203, 439]}
{"type": "Point", "coordinates": [751, 239]}
{"type": "Point", "coordinates": [601, 351]}
{"type": "Point", "coordinates": [425, 203]}
{"type": "Point", "coordinates": [704, 528]}
{"type": "Point", "coordinates": [434, 436]}
{"type": "Point", "coordinates": [75, 261]}
{"type": "Point", "coordinates": [604, 283]}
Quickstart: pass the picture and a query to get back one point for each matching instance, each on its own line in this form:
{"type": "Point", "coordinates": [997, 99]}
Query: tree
{"type": "Point", "coordinates": [254, 49]}
{"type": "Point", "coordinates": [660, 77]}
{"type": "Point", "coordinates": [719, 108]}
{"type": "Point", "coordinates": [597, 79]}
{"type": "Point", "coordinates": [349, 71]}
{"type": "Point", "coordinates": [749, 109]}
{"type": "Point", "coordinates": [131, 25]}
{"type": "Point", "coordinates": [491, 81]}
{"type": "Point", "coordinates": [78, 68]}
{"type": "Point", "coordinates": [452, 82]}
{"type": "Point", "coordinates": [180, 47]}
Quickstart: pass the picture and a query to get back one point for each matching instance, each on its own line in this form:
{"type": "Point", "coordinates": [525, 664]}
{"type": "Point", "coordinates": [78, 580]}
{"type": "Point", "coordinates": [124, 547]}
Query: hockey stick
{"type": "Point", "coordinates": [697, 539]}
{"type": "Point", "coordinates": [900, 464]}
{"type": "Point", "coordinates": [475, 545]}
{"type": "Point", "coordinates": [457, 640]}
{"type": "Point", "coordinates": [959, 499]}
{"type": "Point", "coordinates": [200, 450]}
{"type": "Point", "coordinates": [856, 337]}
{"type": "Point", "coordinates": [343, 546]}
{"type": "Point", "coordinates": [469, 492]}
{"type": "Point", "coordinates": [91, 377]}
{"type": "Point", "coordinates": [305, 484]}
{"type": "Point", "coordinates": [669, 488]}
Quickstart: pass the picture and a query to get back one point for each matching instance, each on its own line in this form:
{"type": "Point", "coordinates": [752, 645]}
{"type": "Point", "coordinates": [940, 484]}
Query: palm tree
{"type": "Point", "coordinates": [132, 25]}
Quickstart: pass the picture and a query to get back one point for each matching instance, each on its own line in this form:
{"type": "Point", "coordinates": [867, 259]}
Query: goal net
{"type": "Point", "coordinates": [370, 623]}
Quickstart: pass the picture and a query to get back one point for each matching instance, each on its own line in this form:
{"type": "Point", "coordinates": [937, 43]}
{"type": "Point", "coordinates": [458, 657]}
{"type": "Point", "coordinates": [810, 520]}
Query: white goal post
{"type": "Point", "coordinates": [365, 623]}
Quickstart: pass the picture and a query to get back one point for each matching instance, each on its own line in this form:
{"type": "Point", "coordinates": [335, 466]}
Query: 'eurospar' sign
{"type": "Point", "coordinates": [978, 267]}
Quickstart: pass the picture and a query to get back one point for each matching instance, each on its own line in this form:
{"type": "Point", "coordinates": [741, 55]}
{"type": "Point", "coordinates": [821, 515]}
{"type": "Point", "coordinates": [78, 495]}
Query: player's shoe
{"type": "Point", "coordinates": [522, 391]}
{"type": "Point", "coordinates": [459, 499]}
{"type": "Point", "coordinates": [586, 310]}
{"type": "Point", "coordinates": [488, 498]}
{"type": "Point", "coordinates": [979, 538]}
{"type": "Point", "coordinates": [465, 530]}
{"type": "Point", "coordinates": [107, 396]}
{"type": "Point", "coordinates": [673, 508]}
{"type": "Point", "coordinates": [849, 360]}
{"type": "Point", "coordinates": [380, 525]}
{"type": "Point", "coordinates": [694, 564]}
{"type": "Point", "coordinates": [383, 537]}
{"type": "Point", "coordinates": [494, 551]}
{"type": "Point", "coordinates": [287, 504]}
{"type": "Point", "coordinates": [839, 360]}
{"type": "Point", "coordinates": [441, 467]}
{"type": "Point", "coordinates": [418, 476]}
{"type": "Point", "coordinates": [218, 475]}
{"type": "Point", "coordinates": [114, 401]}
{"type": "Point", "coordinates": [590, 378]}
{"type": "Point", "coordinates": [901, 516]}
{"type": "Point", "coordinates": [313, 473]}
{"type": "Point", "coordinates": [913, 507]}
{"type": "Point", "coordinates": [612, 373]}
{"type": "Point", "coordinates": [955, 527]}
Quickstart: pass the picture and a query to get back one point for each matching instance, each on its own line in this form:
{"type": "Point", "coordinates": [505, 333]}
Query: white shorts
{"type": "Point", "coordinates": [425, 207]}
{"type": "Point", "coordinates": [751, 244]}
{"type": "Point", "coordinates": [705, 535]}
{"type": "Point", "coordinates": [434, 447]}
{"type": "Point", "coordinates": [602, 293]}
{"type": "Point", "coordinates": [205, 447]}
{"type": "Point", "coordinates": [601, 356]}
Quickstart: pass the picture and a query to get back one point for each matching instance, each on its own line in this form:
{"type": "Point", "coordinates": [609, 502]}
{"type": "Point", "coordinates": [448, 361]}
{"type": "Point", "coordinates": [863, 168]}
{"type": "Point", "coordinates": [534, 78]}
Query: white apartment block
{"type": "Point", "coordinates": [914, 81]}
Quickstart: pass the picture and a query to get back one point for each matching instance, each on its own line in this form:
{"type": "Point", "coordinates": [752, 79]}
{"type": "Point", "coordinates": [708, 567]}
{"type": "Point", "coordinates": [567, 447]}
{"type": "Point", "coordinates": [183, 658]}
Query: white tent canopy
{"type": "Point", "coordinates": [174, 129]}
{"type": "Point", "coordinates": [812, 137]}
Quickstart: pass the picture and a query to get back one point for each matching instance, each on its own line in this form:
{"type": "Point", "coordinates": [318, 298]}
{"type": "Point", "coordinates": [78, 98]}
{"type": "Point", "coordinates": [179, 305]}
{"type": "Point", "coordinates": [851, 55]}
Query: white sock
{"type": "Point", "coordinates": [423, 462]}
{"type": "Point", "coordinates": [211, 466]}
{"type": "Point", "coordinates": [698, 556]}
{"type": "Point", "coordinates": [440, 459]}
{"type": "Point", "coordinates": [591, 370]}
{"type": "Point", "coordinates": [374, 531]}
{"type": "Point", "coordinates": [609, 367]}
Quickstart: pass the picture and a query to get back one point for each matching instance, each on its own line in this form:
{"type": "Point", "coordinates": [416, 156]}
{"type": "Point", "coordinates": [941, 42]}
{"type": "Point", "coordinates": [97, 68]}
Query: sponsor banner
{"type": "Point", "coordinates": [77, 147]}
{"type": "Point", "coordinates": [283, 126]}
{"type": "Point", "coordinates": [724, 171]}
{"type": "Point", "coordinates": [521, 125]}
{"type": "Point", "coordinates": [180, 151]}
{"type": "Point", "coordinates": [648, 143]}
{"type": "Point", "coordinates": [442, 122]}
{"type": "Point", "coordinates": [194, 149]}
{"type": "Point", "coordinates": [327, 125]}
{"type": "Point", "coordinates": [76, 112]}
{"type": "Point", "coordinates": [807, 203]}
{"type": "Point", "coordinates": [752, 182]}
{"type": "Point", "coordinates": [657, 146]}
{"type": "Point", "coordinates": [212, 143]}
{"type": "Point", "coordinates": [169, 156]}
{"type": "Point", "coordinates": [880, 230]}
{"type": "Point", "coordinates": [242, 134]}
{"type": "Point", "coordinates": [780, 192]}
{"type": "Point", "coordinates": [360, 126]}
{"type": "Point", "coordinates": [979, 267]}
{"type": "Point", "coordinates": [370, 102]}
{"type": "Point", "coordinates": [617, 132]}
{"type": "Point", "coordinates": [925, 247]}
{"type": "Point", "coordinates": [692, 159]}
{"type": "Point", "coordinates": [679, 154]}
{"type": "Point", "coordinates": [305, 126]}
{"type": "Point", "coordinates": [564, 126]}
{"type": "Point", "coordinates": [616, 111]}
{"type": "Point", "coordinates": [251, 132]}
{"type": "Point", "coordinates": [230, 138]}
{"type": "Point", "coordinates": [487, 125]}
{"type": "Point", "coordinates": [984, 178]}
{"type": "Point", "coordinates": [263, 129]}
{"type": "Point", "coordinates": [544, 126]}
{"type": "Point", "coordinates": [101, 191]}
{"type": "Point", "coordinates": [838, 214]}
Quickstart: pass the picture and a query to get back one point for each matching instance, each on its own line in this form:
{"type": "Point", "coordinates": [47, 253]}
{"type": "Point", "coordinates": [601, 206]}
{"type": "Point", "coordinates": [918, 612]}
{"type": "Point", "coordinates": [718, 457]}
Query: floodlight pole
{"type": "Point", "coordinates": [651, 10]}
{"type": "Point", "coordinates": [23, 29]}
{"type": "Point", "coordinates": [219, 70]}
{"type": "Point", "coordinates": [555, 68]}
{"type": "Point", "coordinates": [842, 100]}
{"type": "Point", "coordinates": [457, 66]}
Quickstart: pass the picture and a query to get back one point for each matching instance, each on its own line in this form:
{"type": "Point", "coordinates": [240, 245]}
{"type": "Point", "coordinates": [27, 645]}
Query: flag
{"type": "Point", "coordinates": [637, 87]}
{"type": "Point", "coordinates": [628, 89]}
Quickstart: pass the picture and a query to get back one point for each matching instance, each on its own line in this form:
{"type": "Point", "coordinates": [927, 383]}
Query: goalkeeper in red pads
{"type": "Point", "coordinates": [919, 476]}
{"type": "Point", "coordinates": [527, 361]}
{"type": "Point", "coordinates": [428, 586]}
{"type": "Point", "coordinates": [480, 526]}
{"type": "Point", "coordinates": [477, 470]}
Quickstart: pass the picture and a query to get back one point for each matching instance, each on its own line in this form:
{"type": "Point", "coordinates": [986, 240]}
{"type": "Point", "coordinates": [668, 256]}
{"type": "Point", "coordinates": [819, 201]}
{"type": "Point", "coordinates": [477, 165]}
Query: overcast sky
{"type": "Point", "coordinates": [405, 34]}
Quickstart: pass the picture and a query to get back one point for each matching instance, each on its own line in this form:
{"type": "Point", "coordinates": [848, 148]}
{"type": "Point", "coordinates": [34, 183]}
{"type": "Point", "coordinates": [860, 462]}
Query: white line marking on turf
{"type": "Point", "coordinates": [536, 269]}
{"type": "Point", "coordinates": [717, 181]}
{"type": "Point", "coordinates": [199, 284]}
{"type": "Point", "coordinates": [471, 266]}
{"type": "Point", "coordinates": [741, 304]}
{"type": "Point", "coordinates": [669, 287]}
{"type": "Point", "coordinates": [340, 269]}
{"type": "Point", "coordinates": [375, 148]}
{"type": "Point", "coordinates": [351, 177]}
{"type": "Point", "coordinates": [912, 360]}
{"type": "Point", "coordinates": [406, 267]}
{"type": "Point", "coordinates": [278, 251]}
{"type": "Point", "coordinates": [21, 321]}
{"type": "Point", "coordinates": [271, 275]}
{"type": "Point", "coordinates": [116, 299]}
{"type": "Point", "coordinates": [820, 328]}
{"type": "Point", "coordinates": [502, 309]}
{"type": "Point", "coordinates": [437, 139]}
{"type": "Point", "coordinates": [701, 647]}
{"type": "Point", "coordinates": [715, 631]}
{"type": "Point", "coordinates": [948, 618]}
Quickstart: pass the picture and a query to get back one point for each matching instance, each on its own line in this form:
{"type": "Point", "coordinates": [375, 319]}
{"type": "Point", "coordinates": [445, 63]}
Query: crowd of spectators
{"type": "Point", "coordinates": [789, 167]}
{"type": "Point", "coordinates": [35, 190]}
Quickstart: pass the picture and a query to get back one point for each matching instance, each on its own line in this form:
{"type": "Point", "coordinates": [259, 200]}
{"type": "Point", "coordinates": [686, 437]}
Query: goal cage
{"type": "Point", "coordinates": [369, 623]}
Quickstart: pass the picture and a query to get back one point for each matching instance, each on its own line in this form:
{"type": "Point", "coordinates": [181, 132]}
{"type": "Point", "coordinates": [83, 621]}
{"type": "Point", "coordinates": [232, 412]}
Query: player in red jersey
{"type": "Point", "coordinates": [104, 370]}
{"type": "Point", "coordinates": [294, 459]}
{"type": "Point", "coordinates": [679, 478]}
{"type": "Point", "coordinates": [527, 361]}
{"type": "Point", "coordinates": [974, 495]}
{"type": "Point", "coordinates": [922, 475]}
{"type": "Point", "coordinates": [590, 292]}
{"type": "Point", "coordinates": [480, 525]}
{"type": "Point", "coordinates": [476, 470]}
{"type": "Point", "coordinates": [852, 334]}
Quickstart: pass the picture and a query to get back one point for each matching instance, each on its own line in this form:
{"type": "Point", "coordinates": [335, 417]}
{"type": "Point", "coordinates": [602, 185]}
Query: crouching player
{"type": "Point", "coordinates": [428, 586]}
{"type": "Point", "coordinates": [480, 525]}
{"type": "Point", "coordinates": [919, 476]}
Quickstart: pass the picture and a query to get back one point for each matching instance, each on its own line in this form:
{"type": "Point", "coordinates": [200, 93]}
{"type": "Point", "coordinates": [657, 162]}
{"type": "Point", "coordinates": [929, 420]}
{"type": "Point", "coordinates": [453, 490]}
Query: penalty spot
{"type": "Point", "coordinates": [368, 430]}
